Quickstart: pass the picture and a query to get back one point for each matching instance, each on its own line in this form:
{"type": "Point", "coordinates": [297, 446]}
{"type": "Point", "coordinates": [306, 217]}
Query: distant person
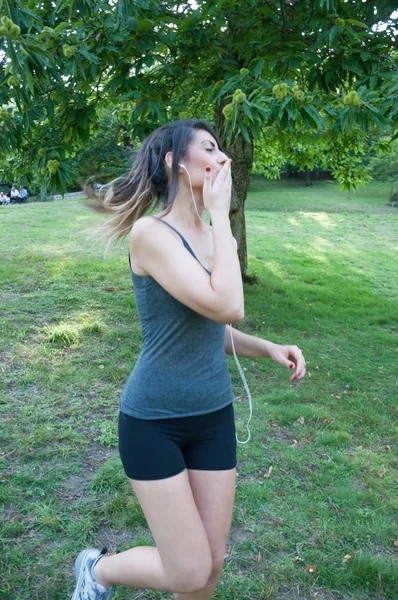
{"type": "Point", "coordinates": [23, 194]}
{"type": "Point", "coordinates": [14, 195]}
{"type": "Point", "coordinates": [4, 199]}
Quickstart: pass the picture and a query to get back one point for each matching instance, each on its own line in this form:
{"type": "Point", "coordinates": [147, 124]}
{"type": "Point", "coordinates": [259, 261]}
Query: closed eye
{"type": "Point", "coordinates": [209, 149]}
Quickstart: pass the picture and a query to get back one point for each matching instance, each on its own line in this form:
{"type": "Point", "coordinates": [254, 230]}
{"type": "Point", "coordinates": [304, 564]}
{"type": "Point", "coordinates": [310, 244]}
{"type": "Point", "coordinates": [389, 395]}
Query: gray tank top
{"type": "Point", "coordinates": [182, 368]}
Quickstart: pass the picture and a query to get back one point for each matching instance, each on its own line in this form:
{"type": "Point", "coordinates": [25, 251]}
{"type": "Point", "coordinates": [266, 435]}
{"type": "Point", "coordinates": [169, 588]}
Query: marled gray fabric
{"type": "Point", "coordinates": [182, 369]}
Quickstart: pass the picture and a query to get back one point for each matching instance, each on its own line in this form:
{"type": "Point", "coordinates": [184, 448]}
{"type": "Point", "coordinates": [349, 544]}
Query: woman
{"type": "Point", "coordinates": [176, 424]}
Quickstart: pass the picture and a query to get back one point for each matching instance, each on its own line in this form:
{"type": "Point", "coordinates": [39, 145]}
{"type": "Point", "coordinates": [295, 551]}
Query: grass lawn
{"type": "Point", "coordinates": [323, 524]}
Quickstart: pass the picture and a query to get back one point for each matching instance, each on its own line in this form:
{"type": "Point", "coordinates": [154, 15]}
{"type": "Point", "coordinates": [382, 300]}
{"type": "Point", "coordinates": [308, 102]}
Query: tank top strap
{"type": "Point", "coordinates": [184, 241]}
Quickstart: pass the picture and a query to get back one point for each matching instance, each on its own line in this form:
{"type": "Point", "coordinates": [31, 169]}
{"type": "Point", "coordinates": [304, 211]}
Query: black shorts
{"type": "Point", "coordinates": [160, 448]}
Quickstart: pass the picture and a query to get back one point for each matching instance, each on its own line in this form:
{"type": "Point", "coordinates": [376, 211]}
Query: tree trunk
{"type": "Point", "coordinates": [241, 153]}
{"type": "Point", "coordinates": [43, 194]}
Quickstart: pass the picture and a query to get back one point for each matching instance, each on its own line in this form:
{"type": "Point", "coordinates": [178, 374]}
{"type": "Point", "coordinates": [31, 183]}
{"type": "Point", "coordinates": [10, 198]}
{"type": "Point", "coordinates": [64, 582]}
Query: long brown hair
{"type": "Point", "coordinates": [147, 184]}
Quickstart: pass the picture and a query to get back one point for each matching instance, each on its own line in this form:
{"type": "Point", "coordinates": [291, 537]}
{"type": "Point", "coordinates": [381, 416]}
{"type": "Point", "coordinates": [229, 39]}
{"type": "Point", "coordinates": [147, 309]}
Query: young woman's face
{"type": "Point", "coordinates": [203, 152]}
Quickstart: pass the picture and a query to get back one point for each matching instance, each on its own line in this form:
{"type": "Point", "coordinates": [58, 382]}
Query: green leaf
{"type": "Point", "coordinates": [61, 26]}
{"type": "Point", "coordinates": [283, 105]}
{"type": "Point", "coordinates": [256, 129]}
{"type": "Point", "coordinates": [144, 25]}
{"type": "Point", "coordinates": [329, 76]}
{"type": "Point", "coordinates": [245, 133]}
{"type": "Point", "coordinates": [263, 111]}
{"type": "Point", "coordinates": [352, 65]}
{"type": "Point", "coordinates": [333, 33]}
{"type": "Point", "coordinates": [29, 80]}
{"type": "Point", "coordinates": [258, 68]}
{"type": "Point", "coordinates": [373, 81]}
{"type": "Point", "coordinates": [128, 96]}
{"type": "Point", "coordinates": [357, 23]}
{"type": "Point", "coordinates": [247, 111]}
{"type": "Point", "coordinates": [365, 56]}
{"type": "Point", "coordinates": [91, 57]}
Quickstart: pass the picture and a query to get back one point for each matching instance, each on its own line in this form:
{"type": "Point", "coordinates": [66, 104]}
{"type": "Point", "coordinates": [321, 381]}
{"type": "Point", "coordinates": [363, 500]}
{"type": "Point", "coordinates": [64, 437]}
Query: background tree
{"type": "Point", "coordinates": [108, 153]}
{"type": "Point", "coordinates": [306, 77]}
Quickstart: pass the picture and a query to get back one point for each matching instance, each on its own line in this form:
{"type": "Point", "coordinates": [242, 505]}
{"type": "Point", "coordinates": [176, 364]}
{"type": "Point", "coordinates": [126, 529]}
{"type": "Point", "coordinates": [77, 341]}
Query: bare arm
{"type": "Point", "coordinates": [226, 277]}
{"type": "Point", "coordinates": [246, 345]}
{"type": "Point", "coordinates": [160, 253]}
{"type": "Point", "coordinates": [218, 297]}
{"type": "Point", "coordinates": [252, 347]}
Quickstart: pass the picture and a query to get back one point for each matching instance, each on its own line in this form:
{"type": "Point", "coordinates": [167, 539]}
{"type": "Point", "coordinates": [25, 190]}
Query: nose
{"type": "Point", "coordinates": [223, 158]}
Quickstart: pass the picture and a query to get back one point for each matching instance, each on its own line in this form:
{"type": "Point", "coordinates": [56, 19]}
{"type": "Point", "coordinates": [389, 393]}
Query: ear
{"type": "Point", "coordinates": [169, 160]}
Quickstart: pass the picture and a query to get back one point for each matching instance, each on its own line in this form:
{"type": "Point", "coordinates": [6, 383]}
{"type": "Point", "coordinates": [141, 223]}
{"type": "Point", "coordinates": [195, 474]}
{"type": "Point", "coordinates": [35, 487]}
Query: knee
{"type": "Point", "coordinates": [194, 580]}
{"type": "Point", "coordinates": [192, 577]}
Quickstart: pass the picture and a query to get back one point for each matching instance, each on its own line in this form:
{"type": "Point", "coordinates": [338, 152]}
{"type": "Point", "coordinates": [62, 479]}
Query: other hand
{"type": "Point", "coordinates": [289, 356]}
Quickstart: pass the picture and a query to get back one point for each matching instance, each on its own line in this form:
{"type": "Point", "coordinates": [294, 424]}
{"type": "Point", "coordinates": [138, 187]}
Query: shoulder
{"type": "Point", "coordinates": [142, 226]}
{"type": "Point", "coordinates": [141, 235]}
{"type": "Point", "coordinates": [149, 233]}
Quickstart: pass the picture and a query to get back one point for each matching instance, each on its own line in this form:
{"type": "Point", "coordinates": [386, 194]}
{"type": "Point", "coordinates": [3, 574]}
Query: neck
{"type": "Point", "coordinates": [183, 210]}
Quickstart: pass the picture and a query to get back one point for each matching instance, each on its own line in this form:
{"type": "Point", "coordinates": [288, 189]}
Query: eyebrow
{"type": "Point", "coordinates": [212, 143]}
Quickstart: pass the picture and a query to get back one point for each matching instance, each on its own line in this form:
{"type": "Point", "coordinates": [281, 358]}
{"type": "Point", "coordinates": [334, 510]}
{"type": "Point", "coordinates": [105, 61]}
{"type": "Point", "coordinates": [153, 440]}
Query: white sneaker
{"type": "Point", "coordinates": [87, 587]}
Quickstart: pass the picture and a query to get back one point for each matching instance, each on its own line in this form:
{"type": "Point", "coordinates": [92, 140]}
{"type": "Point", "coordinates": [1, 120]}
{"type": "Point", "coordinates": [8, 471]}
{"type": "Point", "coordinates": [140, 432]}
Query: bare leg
{"type": "Point", "coordinates": [139, 567]}
{"type": "Point", "coordinates": [206, 593]}
{"type": "Point", "coordinates": [182, 560]}
{"type": "Point", "coordinates": [214, 494]}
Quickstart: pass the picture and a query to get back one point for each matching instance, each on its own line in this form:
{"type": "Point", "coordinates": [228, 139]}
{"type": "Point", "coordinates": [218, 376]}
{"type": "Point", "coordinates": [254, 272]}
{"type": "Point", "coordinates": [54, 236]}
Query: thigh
{"type": "Point", "coordinates": [155, 465]}
{"type": "Point", "coordinates": [214, 495]}
{"type": "Point", "coordinates": [211, 463]}
{"type": "Point", "coordinates": [175, 523]}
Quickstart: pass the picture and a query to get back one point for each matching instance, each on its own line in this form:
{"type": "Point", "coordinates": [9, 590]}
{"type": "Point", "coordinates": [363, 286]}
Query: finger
{"type": "Point", "coordinates": [224, 172]}
{"type": "Point", "coordinates": [297, 356]}
{"type": "Point", "coordinates": [299, 374]}
{"type": "Point", "coordinates": [288, 363]}
{"type": "Point", "coordinates": [207, 180]}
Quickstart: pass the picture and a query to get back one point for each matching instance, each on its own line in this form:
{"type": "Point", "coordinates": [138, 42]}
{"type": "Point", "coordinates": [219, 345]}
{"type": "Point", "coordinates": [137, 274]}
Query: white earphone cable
{"type": "Point", "coordinates": [193, 197]}
{"type": "Point", "coordinates": [249, 396]}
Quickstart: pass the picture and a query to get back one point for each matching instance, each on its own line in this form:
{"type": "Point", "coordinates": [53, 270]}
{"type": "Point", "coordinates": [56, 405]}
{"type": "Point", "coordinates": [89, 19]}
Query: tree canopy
{"type": "Point", "coordinates": [310, 79]}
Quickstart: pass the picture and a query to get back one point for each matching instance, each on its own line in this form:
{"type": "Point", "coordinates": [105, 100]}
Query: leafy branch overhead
{"type": "Point", "coordinates": [309, 80]}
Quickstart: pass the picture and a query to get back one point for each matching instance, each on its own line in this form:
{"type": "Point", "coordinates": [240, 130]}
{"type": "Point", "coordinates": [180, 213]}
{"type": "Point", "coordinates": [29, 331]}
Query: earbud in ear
{"type": "Point", "coordinates": [181, 165]}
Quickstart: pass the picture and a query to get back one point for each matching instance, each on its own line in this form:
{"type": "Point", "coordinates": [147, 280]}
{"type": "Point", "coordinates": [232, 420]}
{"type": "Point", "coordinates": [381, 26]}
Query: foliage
{"type": "Point", "coordinates": [311, 70]}
{"type": "Point", "coordinates": [383, 166]}
{"type": "Point", "coordinates": [341, 154]}
{"type": "Point", "coordinates": [108, 153]}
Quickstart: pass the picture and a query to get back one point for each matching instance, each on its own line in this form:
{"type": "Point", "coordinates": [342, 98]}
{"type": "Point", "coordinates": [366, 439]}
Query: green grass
{"type": "Point", "coordinates": [326, 268]}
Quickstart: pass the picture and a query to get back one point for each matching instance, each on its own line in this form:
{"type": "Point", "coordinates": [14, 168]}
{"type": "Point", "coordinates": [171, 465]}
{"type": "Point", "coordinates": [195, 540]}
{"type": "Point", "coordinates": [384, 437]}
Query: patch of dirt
{"type": "Point", "coordinates": [6, 358]}
{"type": "Point", "coordinates": [313, 467]}
{"type": "Point", "coordinates": [73, 487]}
{"type": "Point", "coordinates": [240, 534]}
{"type": "Point", "coordinates": [76, 484]}
{"type": "Point", "coordinates": [97, 454]}
{"type": "Point", "coordinates": [321, 594]}
{"type": "Point", "coordinates": [247, 478]}
{"type": "Point", "coordinates": [315, 594]}
{"type": "Point", "coordinates": [381, 551]}
{"type": "Point", "coordinates": [114, 537]}
{"type": "Point", "coordinates": [11, 515]}
{"type": "Point", "coordinates": [281, 435]}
